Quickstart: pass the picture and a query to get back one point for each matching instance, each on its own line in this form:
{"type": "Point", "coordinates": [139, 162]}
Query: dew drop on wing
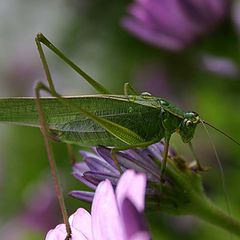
{"type": "Point", "coordinates": [145, 94]}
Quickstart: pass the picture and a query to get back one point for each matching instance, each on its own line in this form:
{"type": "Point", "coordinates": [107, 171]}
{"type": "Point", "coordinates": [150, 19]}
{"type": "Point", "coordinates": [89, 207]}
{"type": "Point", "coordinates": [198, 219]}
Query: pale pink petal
{"type": "Point", "coordinates": [132, 185]}
{"type": "Point", "coordinates": [141, 236]}
{"type": "Point", "coordinates": [59, 233]}
{"type": "Point", "coordinates": [106, 221]}
{"type": "Point", "coordinates": [81, 220]}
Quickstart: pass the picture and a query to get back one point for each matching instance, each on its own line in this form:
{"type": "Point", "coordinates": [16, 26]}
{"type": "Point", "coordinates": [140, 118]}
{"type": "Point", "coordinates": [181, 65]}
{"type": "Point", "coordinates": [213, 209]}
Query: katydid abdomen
{"type": "Point", "coordinates": [72, 127]}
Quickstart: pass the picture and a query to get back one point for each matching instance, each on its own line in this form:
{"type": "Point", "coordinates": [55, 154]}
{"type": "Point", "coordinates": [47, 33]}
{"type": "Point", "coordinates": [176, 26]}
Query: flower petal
{"type": "Point", "coordinates": [141, 236]}
{"type": "Point", "coordinates": [83, 195]}
{"type": "Point", "coordinates": [106, 221]}
{"type": "Point", "coordinates": [129, 162]}
{"type": "Point", "coordinates": [80, 167]}
{"type": "Point", "coordinates": [59, 233]}
{"type": "Point", "coordinates": [83, 180]}
{"type": "Point", "coordinates": [81, 220]}
{"type": "Point", "coordinates": [132, 219]}
{"type": "Point", "coordinates": [132, 185]}
{"type": "Point", "coordinates": [105, 153]}
{"type": "Point", "coordinates": [97, 177]}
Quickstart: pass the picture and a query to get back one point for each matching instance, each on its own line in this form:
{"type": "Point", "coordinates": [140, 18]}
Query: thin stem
{"type": "Point", "coordinates": [206, 210]}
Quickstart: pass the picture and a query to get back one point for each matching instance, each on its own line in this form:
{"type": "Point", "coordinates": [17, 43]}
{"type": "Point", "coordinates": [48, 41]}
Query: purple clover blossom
{"type": "Point", "coordinates": [173, 24]}
{"type": "Point", "coordinates": [114, 215]}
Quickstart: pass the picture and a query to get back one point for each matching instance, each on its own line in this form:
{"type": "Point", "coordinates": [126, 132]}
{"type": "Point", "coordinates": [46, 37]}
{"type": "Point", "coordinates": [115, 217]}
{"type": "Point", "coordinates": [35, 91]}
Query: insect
{"type": "Point", "coordinates": [123, 121]}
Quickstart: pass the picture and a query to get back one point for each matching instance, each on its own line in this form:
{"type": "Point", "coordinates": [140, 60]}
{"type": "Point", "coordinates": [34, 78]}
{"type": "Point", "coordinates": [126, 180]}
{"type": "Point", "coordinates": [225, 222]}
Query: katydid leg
{"type": "Point", "coordinates": [129, 90]}
{"type": "Point", "coordinates": [52, 163]}
{"type": "Point", "coordinates": [122, 133]}
{"type": "Point", "coordinates": [41, 39]}
{"type": "Point", "coordinates": [71, 154]}
{"type": "Point", "coordinates": [126, 135]}
{"type": "Point", "coordinates": [165, 156]}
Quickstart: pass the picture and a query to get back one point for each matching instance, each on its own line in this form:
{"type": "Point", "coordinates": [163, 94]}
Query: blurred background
{"type": "Point", "coordinates": [186, 51]}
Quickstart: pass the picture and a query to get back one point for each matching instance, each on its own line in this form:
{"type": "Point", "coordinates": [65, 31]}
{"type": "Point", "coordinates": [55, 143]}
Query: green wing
{"type": "Point", "coordinates": [72, 127]}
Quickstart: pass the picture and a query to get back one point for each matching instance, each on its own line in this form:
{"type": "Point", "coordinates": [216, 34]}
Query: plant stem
{"type": "Point", "coordinates": [206, 210]}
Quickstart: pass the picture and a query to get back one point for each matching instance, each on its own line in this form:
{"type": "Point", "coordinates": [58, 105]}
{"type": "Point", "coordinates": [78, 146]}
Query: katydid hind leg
{"type": "Point", "coordinates": [41, 39]}
{"type": "Point", "coordinates": [129, 90]}
{"type": "Point", "coordinates": [122, 133]}
{"type": "Point", "coordinates": [56, 180]}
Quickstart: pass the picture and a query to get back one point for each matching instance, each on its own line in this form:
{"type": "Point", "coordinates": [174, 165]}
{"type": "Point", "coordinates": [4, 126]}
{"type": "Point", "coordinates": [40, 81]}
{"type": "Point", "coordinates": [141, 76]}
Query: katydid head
{"type": "Point", "coordinates": [188, 126]}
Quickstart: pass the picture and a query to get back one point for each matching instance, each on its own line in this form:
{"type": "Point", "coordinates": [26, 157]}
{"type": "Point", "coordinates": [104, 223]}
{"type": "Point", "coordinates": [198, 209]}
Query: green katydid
{"type": "Point", "coordinates": [119, 121]}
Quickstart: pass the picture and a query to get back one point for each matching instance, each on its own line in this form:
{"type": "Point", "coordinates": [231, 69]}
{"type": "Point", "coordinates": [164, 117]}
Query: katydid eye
{"type": "Point", "coordinates": [196, 119]}
{"type": "Point", "coordinates": [189, 122]}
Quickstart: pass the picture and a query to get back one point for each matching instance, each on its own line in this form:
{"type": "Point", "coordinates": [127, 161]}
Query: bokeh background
{"type": "Point", "coordinates": [186, 51]}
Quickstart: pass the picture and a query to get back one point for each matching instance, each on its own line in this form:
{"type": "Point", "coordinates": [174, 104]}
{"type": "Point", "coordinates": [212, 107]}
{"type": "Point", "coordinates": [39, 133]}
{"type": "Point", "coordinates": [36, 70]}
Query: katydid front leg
{"type": "Point", "coordinates": [165, 156]}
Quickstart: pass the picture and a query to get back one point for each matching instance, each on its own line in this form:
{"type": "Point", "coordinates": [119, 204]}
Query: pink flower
{"type": "Point", "coordinates": [114, 215]}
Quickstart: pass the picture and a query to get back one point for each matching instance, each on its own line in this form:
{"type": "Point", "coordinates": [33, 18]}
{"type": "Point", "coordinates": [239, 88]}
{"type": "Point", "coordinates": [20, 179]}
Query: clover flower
{"type": "Point", "coordinates": [173, 24]}
{"type": "Point", "coordinates": [114, 215]}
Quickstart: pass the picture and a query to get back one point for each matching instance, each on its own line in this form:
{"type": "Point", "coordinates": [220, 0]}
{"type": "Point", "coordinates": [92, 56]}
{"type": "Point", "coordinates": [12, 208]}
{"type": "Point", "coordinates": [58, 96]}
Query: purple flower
{"type": "Point", "coordinates": [41, 211]}
{"type": "Point", "coordinates": [173, 24]}
{"type": "Point", "coordinates": [114, 215]}
{"type": "Point", "coordinates": [99, 165]}
{"type": "Point", "coordinates": [171, 195]}
{"type": "Point", "coordinates": [221, 66]}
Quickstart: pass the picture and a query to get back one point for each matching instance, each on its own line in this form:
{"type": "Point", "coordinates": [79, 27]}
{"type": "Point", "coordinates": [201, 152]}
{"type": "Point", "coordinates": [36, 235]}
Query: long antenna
{"type": "Point", "coordinates": [225, 134]}
{"type": "Point", "coordinates": [222, 174]}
